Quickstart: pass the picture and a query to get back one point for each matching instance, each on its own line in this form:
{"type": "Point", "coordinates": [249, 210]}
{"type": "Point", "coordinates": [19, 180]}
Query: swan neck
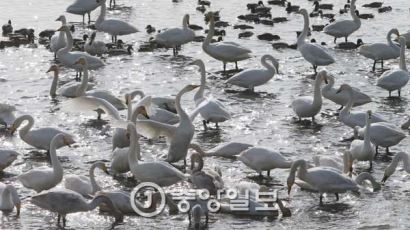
{"type": "Point", "coordinates": [84, 82]}
{"type": "Point", "coordinates": [389, 41]}
{"type": "Point", "coordinates": [367, 132]}
{"type": "Point", "coordinates": [181, 112]}
{"type": "Point", "coordinates": [355, 17]}
{"type": "Point", "coordinates": [101, 17]}
{"type": "Point", "coordinates": [200, 93]}
{"type": "Point", "coordinates": [94, 184]}
{"type": "Point", "coordinates": [185, 22]}
{"type": "Point", "coordinates": [303, 35]}
{"type": "Point", "coordinates": [53, 88]}
{"type": "Point", "coordinates": [57, 168]}
{"type": "Point", "coordinates": [317, 96]}
{"type": "Point", "coordinates": [23, 131]}
{"type": "Point", "coordinates": [402, 64]}
{"type": "Point", "coordinates": [69, 43]}
{"type": "Point", "coordinates": [134, 149]}
{"type": "Point", "coordinates": [211, 32]}
{"type": "Point", "coordinates": [350, 102]}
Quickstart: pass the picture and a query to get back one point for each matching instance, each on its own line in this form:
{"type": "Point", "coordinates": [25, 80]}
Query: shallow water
{"type": "Point", "coordinates": [262, 119]}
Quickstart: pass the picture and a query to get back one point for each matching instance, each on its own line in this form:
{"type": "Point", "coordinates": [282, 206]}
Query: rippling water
{"type": "Point", "coordinates": [262, 119]}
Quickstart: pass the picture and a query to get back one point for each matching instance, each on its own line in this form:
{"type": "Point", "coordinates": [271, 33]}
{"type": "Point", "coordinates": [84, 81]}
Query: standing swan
{"type": "Point", "coordinates": [223, 51]}
{"type": "Point", "coordinates": [44, 178]}
{"type": "Point", "coordinates": [344, 28]}
{"type": "Point", "coordinates": [112, 26]}
{"type": "Point", "coordinates": [9, 198]}
{"type": "Point", "coordinates": [308, 106]}
{"type": "Point", "coordinates": [391, 168]}
{"type": "Point", "coordinates": [255, 77]}
{"type": "Point", "coordinates": [58, 41]}
{"type": "Point", "coordinates": [175, 37]}
{"type": "Point", "coordinates": [381, 51]}
{"type": "Point", "coordinates": [82, 7]}
{"type": "Point", "coordinates": [313, 53]}
{"type": "Point", "coordinates": [396, 79]}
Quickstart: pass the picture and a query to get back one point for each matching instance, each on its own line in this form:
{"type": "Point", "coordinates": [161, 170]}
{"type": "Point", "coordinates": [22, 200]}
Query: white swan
{"type": "Point", "coordinates": [58, 41]}
{"type": "Point", "coordinates": [179, 136]}
{"type": "Point", "coordinates": [64, 201]}
{"type": "Point", "coordinates": [344, 28]}
{"type": "Point", "coordinates": [324, 180]}
{"type": "Point", "coordinates": [44, 178]}
{"type": "Point", "coordinates": [262, 159]}
{"type": "Point", "coordinates": [85, 185]}
{"type": "Point", "coordinates": [112, 26]}
{"type": "Point", "coordinates": [223, 51]}
{"type": "Point", "coordinates": [353, 119]}
{"type": "Point", "coordinates": [40, 138]}
{"type": "Point", "coordinates": [68, 89]}
{"type": "Point", "coordinates": [308, 106]}
{"type": "Point", "coordinates": [210, 109]}
{"type": "Point", "coordinates": [7, 157]}
{"type": "Point", "coordinates": [397, 78]}
{"type": "Point", "coordinates": [175, 37]}
{"type": "Point", "coordinates": [9, 198]}
{"type": "Point", "coordinates": [381, 51]}
{"type": "Point", "coordinates": [7, 114]}
{"type": "Point", "coordinates": [204, 178]}
{"type": "Point", "coordinates": [391, 168]}
{"type": "Point", "coordinates": [250, 78]}
{"type": "Point", "coordinates": [342, 98]}
{"type": "Point", "coordinates": [363, 150]}
{"type": "Point", "coordinates": [158, 172]}
{"type": "Point", "coordinates": [82, 7]}
{"type": "Point", "coordinates": [313, 53]}
{"type": "Point", "coordinates": [94, 47]}
{"type": "Point", "coordinates": [226, 150]}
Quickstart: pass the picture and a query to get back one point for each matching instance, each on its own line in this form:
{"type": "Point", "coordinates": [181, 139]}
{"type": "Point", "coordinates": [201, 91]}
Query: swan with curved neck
{"type": "Point", "coordinates": [223, 51]}
{"type": "Point", "coordinates": [7, 157]}
{"type": "Point", "coordinates": [344, 28]}
{"type": "Point", "coordinates": [251, 78]}
{"type": "Point", "coordinates": [396, 79]}
{"type": "Point", "coordinates": [175, 37]}
{"type": "Point", "coordinates": [158, 172]}
{"type": "Point", "coordinates": [391, 168]}
{"type": "Point", "coordinates": [166, 103]}
{"type": "Point", "coordinates": [204, 178]}
{"type": "Point", "coordinates": [58, 41]}
{"type": "Point", "coordinates": [44, 178]}
{"type": "Point", "coordinates": [313, 53]}
{"type": "Point", "coordinates": [381, 51]}
{"type": "Point", "coordinates": [310, 106]}
{"type": "Point", "coordinates": [9, 198]}
{"type": "Point", "coordinates": [85, 185]}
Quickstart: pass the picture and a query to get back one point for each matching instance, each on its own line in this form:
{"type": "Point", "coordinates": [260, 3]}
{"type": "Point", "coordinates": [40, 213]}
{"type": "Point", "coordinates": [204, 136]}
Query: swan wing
{"type": "Point", "coordinates": [154, 129]}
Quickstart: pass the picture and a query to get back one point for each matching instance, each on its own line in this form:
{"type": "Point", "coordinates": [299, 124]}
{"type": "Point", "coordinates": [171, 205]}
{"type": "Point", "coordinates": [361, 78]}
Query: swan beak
{"type": "Point", "coordinates": [18, 207]}
{"type": "Point", "coordinates": [67, 142]}
{"type": "Point", "coordinates": [12, 129]}
{"type": "Point", "coordinates": [58, 19]}
{"type": "Point", "coordinates": [338, 91]}
{"type": "Point", "coordinates": [49, 70]}
{"type": "Point", "coordinates": [144, 113]}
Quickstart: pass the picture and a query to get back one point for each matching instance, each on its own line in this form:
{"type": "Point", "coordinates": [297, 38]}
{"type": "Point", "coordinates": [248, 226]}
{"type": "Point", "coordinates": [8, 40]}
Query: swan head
{"type": "Point", "coordinates": [142, 110]}
{"type": "Point", "coordinates": [402, 41]}
{"type": "Point", "coordinates": [387, 173]}
{"type": "Point", "coordinates": [344, 87]}
{"type": "Point", "coordinates": [395, 31]}
{"type": "Point", "coordinates": [102, 166]}
{"type": "Point", "coordinates": [61, 19]}
{"type": "Point", "coordinates": [197, 158]}
{"type": "Point", "coordinates": [16, 124]}
{"type": "Point", "coordinates": [323, 76]}
{"type": "Point", "coordinates": [290, 181]}
{"type": "Point", "coordinates": [53, 68]}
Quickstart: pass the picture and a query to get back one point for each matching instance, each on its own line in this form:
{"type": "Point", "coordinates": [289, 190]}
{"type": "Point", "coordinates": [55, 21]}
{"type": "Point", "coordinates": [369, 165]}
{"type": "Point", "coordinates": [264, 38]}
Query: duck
{"type": "Point", "coordinates": [150, 29]}
{"type": "Point", "coordinates": [315, 54]}
{"type": "Point", "coordinates": [64, 201]}
{"type": "Point", "coordinates": [308, 106]}
{"type": "Point", "coordinates": [384, 9]}
{"type": "Point", "coordinates": [82, 7]}
{"type": "Point", "coordinates": [204, 178]}
{"type": "Point", "coordinates": [120, 51]}
{"type": "Point", "coordinates": [176, 37]}
{"type": "Point", "coordinates": [225, 150]}
{"type": "Point", "coordinates": [292, 8]}
{"type": "Point", "coordinates": [327, 15]}
{"type": "Point", "coordinates": [224, 51]}
{"type": "Point", "coordinates": [9, 199]}
{"type": "Point", "coordinates": [279, 19]}
{"type": "Point", "coordinates": [268, 37]}
{"type": "Point", "coordinates": [245, 34]}
{"type": "Point", "coordinates": [58, 41]}
{"type": "Point", "coordinates": [263, 159]}
{"type": "Point", "coordinates": [349, 45]}
{"type": "Point", "coordinates": [7, 116]}
{"type": "Point", "coordinates": [44, 178]}
{"type": "Point", "coordinates": [353, 119]}
{"type": "Point", "coordinates": [373, 5]}
{"type": "Point", "coordinates": [342, 98]}
{"type": "Point", "coordinates": [396, 79]}
{"type": "Point", "coordinates": [364, 16]}
{"type": "Point", "coordinates": [7, 157]}
{"type": "Point", "coordinates": [251, 78]}
{"type": "Point", "coordinates": [113, 27]}
{"type": "Point", "coordinates": [7, 28]}
{"type": "Point", "coordinates": [85, 185]}
{"type": "Point", "coordinates": [323, 6]}
{"type": "Point", "coordinates": [242, 27]}
{"type": "Point", "coordinates": [344, 28]}
{"type": "Point", "coordinates": [210, 109]}
{"type": "Point", "coordinates": [277, 2]}
{"type": "Point", "coordinates": [381, 51]}
{"type": "Point", "coordinates": [94, 47]}
{"type": "Point", "coordinates": [391, 168]}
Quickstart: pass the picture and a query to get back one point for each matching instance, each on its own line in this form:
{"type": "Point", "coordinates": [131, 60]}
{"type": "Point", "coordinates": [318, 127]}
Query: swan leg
{"type": "Point", "coordinates": [204, 122]}
{"type": "Point", "coordinates": [216, 125]}
{"type": "Point", "coordinates": [315, 69]}
{"type": "Point", "coordinates": [58, 219]}
{"type": "Point", "coordinates": [236, 65]}
{"type": "Point", "coordinates": [346, 39]}
{"type": "Point", "coordinates": [321, 199]}
{"type": "Point", "coordinates": [382, 64]}
{"type": "Point", "coordinates": [64, 220]}
{"type": "Point", "coordinates": [399, 92]}
{"type": "Point", "coordinates": [374, 66]}
{"type": "Point", "coordinates": [189, 218]}
{"type": "Point", "coordinates": [370, 165]}
{"type": "Point", "coordinates": [207, 218]}
{"type": "Point", "coordinates": [389, 93]}
{"type": "Point", "coordinates": [89, 18]}
{"type": "Point", "coordinates": [83, 18]}
{"type": "Point", "coordinates": [224, 66]}
{"type": "Point", "coordinates": [98, 115]}
{"type": "Point", "coordinates": [268, 173]}
{"type": "Point", "coordinates": [335, 40]}
{"type": "Point", "coordinates": [387, 150]}
{"type": "Point", "coordinates": [377, 150]}
{"type": "Point", "coordinates": [313, 119]}
{"type": "Point", "coordinates": [337, 196]}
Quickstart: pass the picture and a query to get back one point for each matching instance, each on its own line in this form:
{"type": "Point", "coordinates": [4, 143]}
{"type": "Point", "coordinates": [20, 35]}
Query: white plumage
{"type": "Point", "coordinates": [344, 28]}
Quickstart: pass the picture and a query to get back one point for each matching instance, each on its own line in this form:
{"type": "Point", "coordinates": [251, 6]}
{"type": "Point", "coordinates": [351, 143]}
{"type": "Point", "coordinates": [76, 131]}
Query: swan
{"type": "Point", "coordinates": [40, 138]}
{"type": "Point", "coordinates": [397, 78]}
{"type": "Point", "coordinates": [166, 103]}
{"type": "Point", "coordinates": [44, 178]}
{"type": "Point", "coordinates": [313, 53]}
{"type": "Point", "coordinates": [255, 77]}
{"type": "Point", "coordinates": [308, 106]}
{"type": "Point", "coordinates": [112, 26]}
{"type": "Point", "coordinates": [211, 110]}
{"type": "Point", "coordinates": [82, 7]}
{"type": "Point", "coordinates": [196, 213]}
{"type": "Point", "coordinates": [363, 150]}
{"type": "Point", "coordinates": [158, 172]}
{"type": "Point", "coordinates": [381, 51]}
{"type": "Point", "coordinates": [226, 150]}
{"type": "Point", "coordinates": [7, 114]}
{"type": "Point", "coordinates": [342, 98]}
{"type": "Point", "coordinates": [9, 198]}
{"type": "Point", "coordinates": [384, 134]}
{"type": "Point", "coordinates": [391, 168]}
{"type": "Point", "coordinates": [179, 136]}
{"type": "Point", "coordinates": [175, 37]}
{"type": "Point", "coordinates": [95, 47]}
{"type": "Point", "coordinates": [67, 90]}
{"type": "Point", "coordinates": [58, 41]}
{"type": "Point", "coordinates": [204, 178]}
{"type": "Point", "coordinates": [68, 58]}
{"type": "Point", "coordinates": [64, 201]}
{"type": "Point", "coordinates": [223, 51]}
{"type": "Point", "coordinates": [344, 28]}
{"type": "Point", "coordinates": [262, 159]}
{"type": "Point", "coordinates": [7, 157]}
{"type": "Point", "coordinates": [324, 180]}
{"type": "Point", "coordinates": [85, 185]}
{"type": "Point", "coordinates": [353, 119]}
